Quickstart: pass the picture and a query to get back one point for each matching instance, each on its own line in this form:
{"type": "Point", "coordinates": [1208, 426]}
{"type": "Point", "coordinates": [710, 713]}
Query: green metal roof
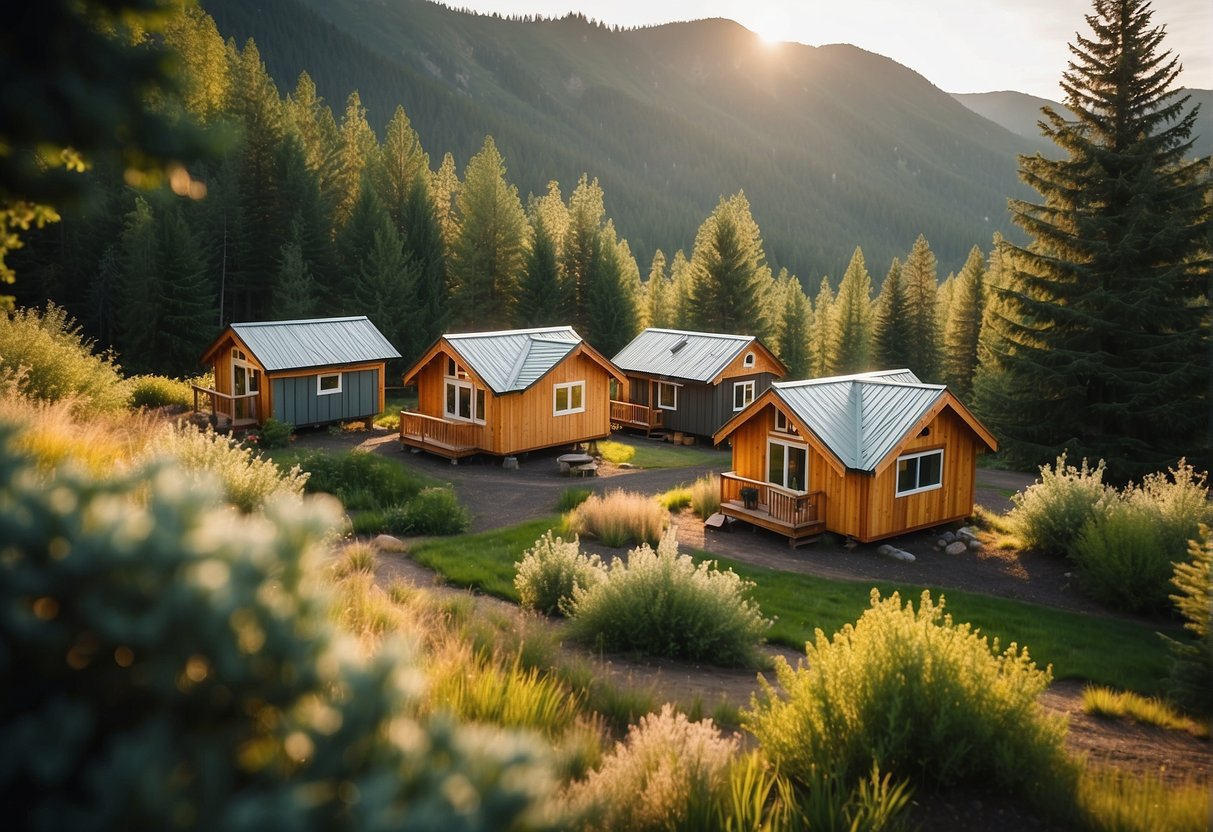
{"type": "Point", "coordinates": [319, 342]}
{"type": "Point", "coordinates": [513, 360]}
{"type": "Point", "coordinates": [676, 353]}
{"type": "Point", "coordinates": [862, 417]}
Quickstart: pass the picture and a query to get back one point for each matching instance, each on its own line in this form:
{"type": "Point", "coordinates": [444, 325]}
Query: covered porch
{"type": "Point", "coordinates": [444, 437]}
{"type": "Point", "coordinates": [632, 415]}
{"type": "Point", "coordinates": [224, 411]}
{"type": "Point", "coordinates": [798, 516]}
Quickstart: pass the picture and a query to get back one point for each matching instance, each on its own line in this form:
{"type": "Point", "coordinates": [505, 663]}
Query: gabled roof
{"type": "Point", "coordinates": [861, 419]}
{"type": "Point", "coordinates": [512, 360]}
{"type": "Point", "coordinates": [676, 353]}
{"type": "Point", "coordinates": [318, 342]}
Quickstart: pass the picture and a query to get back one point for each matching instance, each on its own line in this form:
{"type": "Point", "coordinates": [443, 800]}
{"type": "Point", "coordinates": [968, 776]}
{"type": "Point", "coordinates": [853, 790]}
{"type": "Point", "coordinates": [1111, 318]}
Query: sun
{"type": "Point", "coordinates": [770, 25]}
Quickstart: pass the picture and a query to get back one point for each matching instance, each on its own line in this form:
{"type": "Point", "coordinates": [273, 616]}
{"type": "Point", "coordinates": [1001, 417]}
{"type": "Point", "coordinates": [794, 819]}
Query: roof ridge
{"type": "Point", "coordinates": [520, 361]}
{"type": "Point", "coordinates": [696, 332]}
{"type": "Point", "coordinates": [297, 321]}
{"type": "Point", "coordinates": [520, 332]}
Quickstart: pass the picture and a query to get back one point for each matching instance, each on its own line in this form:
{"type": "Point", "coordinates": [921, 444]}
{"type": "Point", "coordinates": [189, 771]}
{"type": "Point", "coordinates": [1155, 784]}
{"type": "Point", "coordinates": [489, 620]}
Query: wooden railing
{"type": "Point", "coordinates": [791, 508]}
{"type": "Point", "coordinates": [235, 409]}
{"type": "Point", "coordinates": [629, 413]}
{"type": "Point", "coordinates": [442, 432]}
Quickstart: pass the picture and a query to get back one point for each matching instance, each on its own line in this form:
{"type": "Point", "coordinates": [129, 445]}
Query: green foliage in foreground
{"type": "Point", "coordinates": [359, 479]}
{"type": "Point", "coordinates": [920, 697]}
{"type": "Point", "coordinates": [1193, 668]}
{"type": "Point", "coordinates": [486, 561]}
{"type": "Point", "coordinates": [551, 571]}
{"type": "Point", "coordinates": [169, 664]}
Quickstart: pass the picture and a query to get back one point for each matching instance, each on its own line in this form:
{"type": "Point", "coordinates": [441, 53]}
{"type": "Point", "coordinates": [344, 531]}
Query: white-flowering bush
{"type": "Point", "coordinates": [551, 570]}
{"type": "Point", "coordinates": [1049, 514]}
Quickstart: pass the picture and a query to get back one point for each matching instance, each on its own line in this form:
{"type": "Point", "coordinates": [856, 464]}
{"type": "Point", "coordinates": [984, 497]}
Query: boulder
{"type": "Point", "coordinates": [387, 543]}
{"type": "Point", "coordinates": [957, 547]}
{"type": "Point", "coordinates": [894, 553]}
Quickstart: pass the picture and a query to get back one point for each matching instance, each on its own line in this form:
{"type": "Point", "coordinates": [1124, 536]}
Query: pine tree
{"type": "Point", "coordinates": [386, 288]}
{"type": "Point", "coordinates": [964, 326]}
{"type": "Point", "coordinates": [582, 247]}
{"type": "Point", "coordinates": [729, 271]}
{"type": "Point", "coordinates": [795, 328]}
{"type": "Point", "coordinates": [185, 303]}
{"type": "Point", "coordinates": [398, 164]}
{"type": "Point", "coordinates": [853, 318]}
{"type": "Point", "coordinates": [138, 287]}
{"type": "Point", "coordinates": [920, 284]}
{"type": "Point", "coordinates": [205, 78]}
{"type": "Point", "coordinates": [1103, 343]}
{"type": "Point", "coordinates": [540, 294]}
{"type": "Point", "coordinates": [682, 282]}
{"type": "Point", "coordinates": [423, 244]}
{"type": "Point", "coordinates": [295, 294]}
{"type": "Point", "coordinates": [611, 321]}
{"type": "Point", "coordinates": [354, 241]}
{"type": "Point", "coordinates": [356, 147]}
{"type": "Point", "coordinates": [889, 313]}
{"type": "Point", "coordinates": [444, 188]}
{"type": "Point", "coordinates": [657, 292]}
{"type": "Point", "coordinates": [821, 343]}
{"type": "Point", "coordinates": [490, 249]}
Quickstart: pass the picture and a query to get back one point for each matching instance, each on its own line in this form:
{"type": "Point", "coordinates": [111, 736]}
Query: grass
{"type": "Point", "coordinates": [485, 561]}
{"type": "Point", "coordinates": [1110, 799]}
{"type": "Point", "coordinates": [362, 481]}
{"type": "Point", "coordinates": [1115, 704]}
{"type": "Point", "coordinates": [659, 454]}
{"type": "Point", "coordinates": [398, 400]}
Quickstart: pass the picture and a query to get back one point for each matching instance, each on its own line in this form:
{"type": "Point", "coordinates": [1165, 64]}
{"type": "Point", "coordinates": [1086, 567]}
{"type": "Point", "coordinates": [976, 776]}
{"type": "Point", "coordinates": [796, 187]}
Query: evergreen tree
{"type": "Point", "coordinates": [920, 285]}
{"type": "Point", "coordinates": [795, 329]}
{"type": "Point", "coordinates": [582, 247]}
{"type": "Point", "coordinates": [853, 318]}
{"type": "Point", "coordinates": [185, 303]}
{"type": "Point", "coordinates": [354, 241]}
{"type": "Point", "coordinates": [540, 301]}
{"type": "Point", "coordinates": [399, 163]}
{"type": "Point", "coordinates": [611, 321]}
{"type": "Point", "coordinates": [205, 78]}
{"type": "Point", "coordinates": [356, 147]}
{"type": "Point", "coordinates": [657, 295]}
{"type": "Point", "coordinates": [490, 248]}
{"type": "Point", "coordinates": [890, 317]}
{"type": "Point", "coordinates": [444, 188]}
{"type": "Point", "coordinates": [423, 244]}
{"type": "Point", "coordinates": [682, 283]}
{"type": "Point", "coordinates": [295, 295]}
{"type": "Point", "coordinates": [729, 271]}
{"type": "Point", "coordinates": [964, 326]}
{"type": "Point", "coordinates": [138, 287]}
{"type": "Point", "coordinates": [1103, 343]}
{"type": "Point", "coordinates": [821, 344]}
{"type": "Point", "coordinates": [386, 287]}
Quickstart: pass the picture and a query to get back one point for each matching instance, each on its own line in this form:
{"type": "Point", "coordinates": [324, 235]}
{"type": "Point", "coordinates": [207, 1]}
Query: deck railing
{"type": "Point", "coordinates": [629, 413]}
{"type": "Point", "coordinates": [443, 432]}
{"type": "Point", "coordinates": [221, 407]}
{"type": "Point", "coordinates": [790, 508]}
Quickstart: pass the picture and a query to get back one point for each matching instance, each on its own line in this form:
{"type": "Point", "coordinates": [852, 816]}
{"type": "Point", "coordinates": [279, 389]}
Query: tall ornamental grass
{"type": "Point", "coordinates": [920, 698]}
{"type": "Point", "coordinates": [1050, 514]}
{"type": "Point", "coordinates": [551, 571]}
{"type": "Point", "coordinates": [619, 518]}
{"type": "Point", "coordinates": [661, 603]}
{"type": "Point", "coordinates": [705, 495]}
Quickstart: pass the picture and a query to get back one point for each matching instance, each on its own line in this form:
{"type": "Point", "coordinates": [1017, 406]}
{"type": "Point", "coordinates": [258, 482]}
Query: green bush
{"type": "Point", "coordinates": [248, 481]}
{"type": "Point", "coordinates": [159, 391]}
{"type": "Point", "coordinates": [551, 570]}
{"type": "Point", "coordinates": [570, 498]}
{"type": "Point", "coordinates": [1050, 514]}
{"type": "Point", "coordinates": [359, 479]}
{"type": "Point", "coordinates": [436, 511]}
{"type": "Point", "coordinates": [667, 774]}
{"type": "Point", "coordinates": [920, 698]}
{"type": "Point", "coordinates": [1188, 684]}
{"type": "Point", "coordinates": [661, 603]}
{"type": "Point", "coordinates": [166, 664]}
{"type": "Point", "coordinates": [276, 434]}
{"type": "Point", "coordinates": [51, 360]}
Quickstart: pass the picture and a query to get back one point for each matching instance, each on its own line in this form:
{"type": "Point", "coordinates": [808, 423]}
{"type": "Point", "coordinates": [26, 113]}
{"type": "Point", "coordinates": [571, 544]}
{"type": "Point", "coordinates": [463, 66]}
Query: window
{"type": "Point", "coordinates": [328, 383]}
{"type": "Point", "coordinates": [464, 401]}
{"type": "Point", "coordinates": [919, 472]}
{"type": "Point", "coordinates": [452, 369]}
{"type": "Point", "coordinates": [743, 394]}
{"type": "Point", "coordinates": [788, 465]}
{"type": "Point", "coordinates": [749, 359]}
{"type": "Point", "coordinates": [667, 395]}
{"type": "Point", "coordinates": [568, 398]}
{"type": "Point", "coordinates": [782, 423]}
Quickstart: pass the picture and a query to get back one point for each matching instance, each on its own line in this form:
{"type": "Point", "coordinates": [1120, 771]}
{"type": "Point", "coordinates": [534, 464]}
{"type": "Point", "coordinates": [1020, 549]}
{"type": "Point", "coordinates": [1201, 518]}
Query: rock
{"type": "Point", "coordinates": [957, 547]}
{"type": "Point", "coordinates": [626, 466]}
{"type": "Point", "coordinates": [949, 538]}
{"type": "Point", "coordinates": [967, 535]}
{"type": "Point", "coordinates": [883, 549]}
{"type": "Point", "coordinates": [941, 543]}
{"type": "Point", "coordinates": [510, 463]}
{"type": "Point", "coordinates": [976, 546]}
{"type": "Point", "coordinates": [894, 553]}
{"type": "Point", "coordinates": [387, 543]}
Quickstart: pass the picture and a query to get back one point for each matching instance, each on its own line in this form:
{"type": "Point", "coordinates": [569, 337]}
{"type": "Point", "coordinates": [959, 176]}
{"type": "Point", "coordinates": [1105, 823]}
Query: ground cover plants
{"type": "Point", "coordinates": [650, 454]}
{"type": "Point", "coordinates": [618, 518]}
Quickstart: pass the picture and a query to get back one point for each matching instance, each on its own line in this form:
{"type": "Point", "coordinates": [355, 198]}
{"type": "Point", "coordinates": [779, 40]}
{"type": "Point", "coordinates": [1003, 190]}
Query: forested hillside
{"type": "Point", "coordinates": [833, 146]}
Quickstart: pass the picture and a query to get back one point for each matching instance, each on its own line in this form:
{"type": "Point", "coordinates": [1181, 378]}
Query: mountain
{"type": "Point", "coordinates": [1019, 113]}
{"type": "Point", "coordinates": [833, 146]}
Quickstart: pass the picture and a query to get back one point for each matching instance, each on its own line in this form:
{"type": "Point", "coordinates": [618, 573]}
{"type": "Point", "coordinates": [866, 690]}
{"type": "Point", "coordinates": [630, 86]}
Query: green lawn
{"type": "Point", "coordinates": [649, 454]}
{"type": "Point", "coordinates": [1104, 651]}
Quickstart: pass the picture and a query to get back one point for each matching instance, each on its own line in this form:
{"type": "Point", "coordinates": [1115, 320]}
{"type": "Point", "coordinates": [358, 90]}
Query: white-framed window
{"type": "Point", "coordinates": [919, 472]}
{"type": "Point", "coordinates": [743, 394]}
{"type": "Point", "coordinates": [748, 361]}
{"type": "Point", "coordinates": [568, 398]}
{"type": "Point", "coordinates": [666, 395]}
{"type": "Point", "coordinates": [328, 383]}
{"type": "Point", "coordinates": [464, 401]}
{"type": "Point", "coordinates": [788, 464]}
{"type": "Point", "coordinates": [783, 424]}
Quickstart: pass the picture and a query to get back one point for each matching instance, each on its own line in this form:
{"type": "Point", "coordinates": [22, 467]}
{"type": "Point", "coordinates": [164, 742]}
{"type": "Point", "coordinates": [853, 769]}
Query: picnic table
{"type": "Point", "coordinates": [577, 463]}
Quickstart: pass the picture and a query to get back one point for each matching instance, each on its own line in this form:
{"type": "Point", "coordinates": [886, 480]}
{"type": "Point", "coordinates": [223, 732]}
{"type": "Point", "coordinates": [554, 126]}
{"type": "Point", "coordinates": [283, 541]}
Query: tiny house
{"type": "Point", "coordinates": [509, 392]}
{"type": "Point", "coordinates": [308, 372]}
{"type": "Point", "coordinates": [691, 382]}
{"type": "Point", "coordinates": [867, 456]}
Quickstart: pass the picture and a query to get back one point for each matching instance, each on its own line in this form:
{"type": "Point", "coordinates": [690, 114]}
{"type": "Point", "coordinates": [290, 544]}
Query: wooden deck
{"type": "Point", "coordinates": [442, 437]}
{"type": "Point", "coordinates": [224, 411]}
{"type": "Point", "coordinates": [631, 415]}
{"type": "Point", "coordinates": [798, 516]}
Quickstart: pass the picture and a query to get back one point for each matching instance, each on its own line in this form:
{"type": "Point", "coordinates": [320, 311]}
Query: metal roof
{"type": "Point", "coordinates": [320, 342]}
{"type": "Point", "coordinates": [860, 417]}
{"type": "Point", "coordinates": [676, 353]}
{"type": "Point", "coordinates": [513, 360]}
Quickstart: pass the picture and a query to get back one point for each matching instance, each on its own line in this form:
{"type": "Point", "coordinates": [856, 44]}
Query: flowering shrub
{"type": "Point", "coordinates": [551, 570]}
{"type": "Point", "coordinates": [1049, 514]}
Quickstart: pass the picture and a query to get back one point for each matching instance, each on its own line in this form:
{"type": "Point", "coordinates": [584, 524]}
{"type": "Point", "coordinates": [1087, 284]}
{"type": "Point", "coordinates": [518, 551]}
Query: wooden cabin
{"type": "Point", "coordinates": [867, 456]}
{"type": "Point", "coordinates": [506, 393]}
{"type": "Point", "coordinates": [690, 382]}
{"type": "Point", "coordinates": [300, 372]}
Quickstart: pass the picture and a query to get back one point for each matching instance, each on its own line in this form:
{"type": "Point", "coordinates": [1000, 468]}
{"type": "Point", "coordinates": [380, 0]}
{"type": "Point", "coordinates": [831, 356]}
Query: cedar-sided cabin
{"type": "Point", "coordinates": [299, 372]}
{"type": "Point", "coordinates": [867, 456]}
{"type": "Point", "coordinates": [506, 393]}
{"type": "Point", "coordinates": [691, 382]}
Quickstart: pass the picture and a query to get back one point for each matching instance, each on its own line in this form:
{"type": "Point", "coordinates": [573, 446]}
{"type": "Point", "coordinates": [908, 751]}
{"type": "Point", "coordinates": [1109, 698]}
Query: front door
{"type": "Point", "coordinates": [788, 465]}
{"type": "Point", "coordinates": [245, 379]}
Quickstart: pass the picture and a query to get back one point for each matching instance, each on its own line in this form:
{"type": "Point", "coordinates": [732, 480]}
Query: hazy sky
{"type": "Point", "coordinates": [958, 45]}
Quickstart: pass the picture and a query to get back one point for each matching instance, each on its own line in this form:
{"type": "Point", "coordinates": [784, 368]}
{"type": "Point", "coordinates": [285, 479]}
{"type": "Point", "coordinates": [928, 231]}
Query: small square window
{"type": "Point", "coordinates": [667, 396]}
{"type": "Point", "coordinates": [919, 472]}
{"type": "Point", "coordinates": [328, 383]}
{"type": "Point", "coordinates": [568, 398]}
{"type": "Point", "coordinates": [743, 394]}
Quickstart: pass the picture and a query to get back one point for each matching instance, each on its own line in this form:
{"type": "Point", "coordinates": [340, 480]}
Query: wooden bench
{"type": "Point", "coordinates": [590, 469]}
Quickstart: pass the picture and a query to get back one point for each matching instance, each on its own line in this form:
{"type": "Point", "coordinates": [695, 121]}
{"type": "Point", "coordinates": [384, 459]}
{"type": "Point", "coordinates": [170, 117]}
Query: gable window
{"type": "Point", "coordinates": [667, 395]}
{"type": "Point", "coordinates": [328, 383]}
{"type": "Point", "coordinates": [749, 359]}
{"type": "Point", "coordinates": [568, 398]}
{"type": "Point", "coordinates": [782, 423]}
{"type": "Point", "coordinates": [919, 472]}
{"type": "Point", "coordinates": [743, 394]}
{"type": "Point", "coordinates": [464, 401]}
{"type": "Point", "coordinates": [788, 465]}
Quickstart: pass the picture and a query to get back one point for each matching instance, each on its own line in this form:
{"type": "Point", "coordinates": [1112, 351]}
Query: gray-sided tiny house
{"type": "Point", "coordinates": [301, 372]}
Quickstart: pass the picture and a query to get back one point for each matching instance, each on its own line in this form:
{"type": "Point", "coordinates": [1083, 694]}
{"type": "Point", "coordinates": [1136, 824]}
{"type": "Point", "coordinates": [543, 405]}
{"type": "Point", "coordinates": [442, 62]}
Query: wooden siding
{"type": "Point", "coordinates": [764, 363]}
{"type": "Point", "coordinates": [296, 401]}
